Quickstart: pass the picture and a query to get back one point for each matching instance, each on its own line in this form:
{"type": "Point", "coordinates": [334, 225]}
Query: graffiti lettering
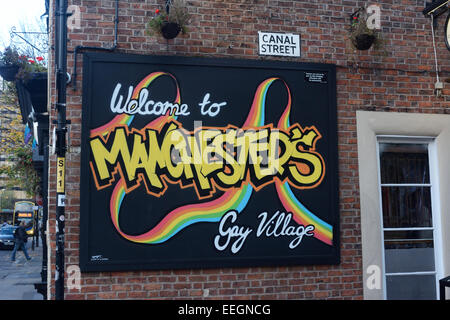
{"type": "Point", "coordinates": [143, 106]}
{"type": "Point", "coordinates": [207, 158]}
{"type": "Point", "coordinates": [231, 232]}
{"type": "Point", "coordinates": [211, 110]}
{"type": "Point", "coordinates": [278, 225]}
{"type": "Point", "coordinates": [235, 161]}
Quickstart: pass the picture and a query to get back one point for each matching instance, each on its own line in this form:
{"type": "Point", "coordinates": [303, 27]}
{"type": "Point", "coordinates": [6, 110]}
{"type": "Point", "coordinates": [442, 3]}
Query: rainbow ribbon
{"type": "Point", "coordinates": [322, 230]}
{"type": "Point", "coordinates": [211, 211]}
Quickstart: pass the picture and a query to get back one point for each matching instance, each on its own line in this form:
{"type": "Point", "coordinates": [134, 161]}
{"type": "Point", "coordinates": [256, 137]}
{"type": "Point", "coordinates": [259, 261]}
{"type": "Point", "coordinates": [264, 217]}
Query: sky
{"type": "Point", "coordinates": [15, 12]}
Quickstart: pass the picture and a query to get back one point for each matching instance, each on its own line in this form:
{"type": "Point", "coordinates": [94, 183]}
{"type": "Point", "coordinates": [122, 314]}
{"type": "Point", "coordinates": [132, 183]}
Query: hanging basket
{"type": "Point", "coordinates": [8, 72]}
{"type": "Point", "coordinates": [363, 41]}
{"type": "Point", "coordinates": [170, 30]}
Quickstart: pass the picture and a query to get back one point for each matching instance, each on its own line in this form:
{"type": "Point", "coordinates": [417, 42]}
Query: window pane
{"type": "Point", "coordinates": [409, 251]}
{"type": "Point", "coordinates": [406, 207]}
{"type": "Point", "coordinates": [413, 287]}
{"type": "Point", "coordinates": [404, 163]}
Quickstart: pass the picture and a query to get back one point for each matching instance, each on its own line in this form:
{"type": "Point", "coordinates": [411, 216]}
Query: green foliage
{"type": "Point", "coordinates": [26, 65]}
{"type": "Point", "coordinates": [19, 169]}
{"type": "Point", "coordinates": [155, 24]}
{"type": "Point", "coordinates": [178, 14]}
{"type": "Point", "coordinates": [31, 67]}
{"type": "Point", "coordinates": [12, 57]}
{"type": "Point", "coordinates": [359, 27]}
{"type": "Point", "coordinates": [7, 199]}
{"type": "Point", "coordinates": [8, 95]}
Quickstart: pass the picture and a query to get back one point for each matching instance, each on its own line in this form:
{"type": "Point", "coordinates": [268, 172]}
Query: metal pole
{"type": "Point", "coordinates": [61, 82]}
{"type": "Point", "coordinates": [36, 228]}
{"type": "Point", "coordinates": [44, 215]}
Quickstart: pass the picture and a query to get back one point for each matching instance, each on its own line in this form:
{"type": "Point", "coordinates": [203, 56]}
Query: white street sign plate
{"type": "Point", "coordinates": [279, 44]}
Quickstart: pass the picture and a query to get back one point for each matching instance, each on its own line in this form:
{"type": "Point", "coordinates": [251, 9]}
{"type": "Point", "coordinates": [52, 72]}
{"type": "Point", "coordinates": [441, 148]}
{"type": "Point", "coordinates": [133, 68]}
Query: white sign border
{"type": "Point", "coordinates": [298, 46]}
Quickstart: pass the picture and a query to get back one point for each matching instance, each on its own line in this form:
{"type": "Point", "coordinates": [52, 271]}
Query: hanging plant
{"type": "Point", "coordinates": [14, 66]}
{"type": "Point", "coordinates": [170, 23]}
{"type": "Point", "coordinates": [361, 36]}
{"type": "Point", "coordinates": [31, 67]}
{"type": "Point", "coordinates": [10, 63]}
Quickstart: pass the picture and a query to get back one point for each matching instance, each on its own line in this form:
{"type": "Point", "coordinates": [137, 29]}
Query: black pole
{"type": "Point", "coordinates": [44, 211]}
{"type": "Point", "coordinates": [36, 228]}
{"type": "Point", "coordinates": [61, 82]}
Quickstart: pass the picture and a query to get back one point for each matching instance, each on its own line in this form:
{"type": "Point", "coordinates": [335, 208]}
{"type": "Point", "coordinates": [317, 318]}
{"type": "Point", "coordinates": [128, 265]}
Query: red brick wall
{"type": "Point", "coordinates": [402, 80]}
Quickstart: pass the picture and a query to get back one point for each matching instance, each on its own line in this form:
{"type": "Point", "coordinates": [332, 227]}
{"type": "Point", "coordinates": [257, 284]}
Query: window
{"type": "Point", "coordinates": [374, 128]}
{"type": "Point", "coordinates": [408, 218]}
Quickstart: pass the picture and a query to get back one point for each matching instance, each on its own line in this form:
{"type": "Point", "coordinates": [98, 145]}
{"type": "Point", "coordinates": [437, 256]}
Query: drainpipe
{"type": "Point", "coordinates": [78, 49]}
{"type": "Point", "coordinates": [61, 129]}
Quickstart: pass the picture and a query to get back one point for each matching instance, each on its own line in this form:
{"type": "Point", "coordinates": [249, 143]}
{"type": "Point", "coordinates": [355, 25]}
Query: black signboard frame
{"type": "Point", "coordinates": [94, 62]}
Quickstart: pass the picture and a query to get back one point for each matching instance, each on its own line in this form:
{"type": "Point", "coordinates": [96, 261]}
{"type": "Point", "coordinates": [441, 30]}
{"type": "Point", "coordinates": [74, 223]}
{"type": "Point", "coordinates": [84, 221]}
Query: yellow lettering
{"type": "Point", "coordinates": [102, 155]}
{"type": "Point", "coordinates": [227, 157]}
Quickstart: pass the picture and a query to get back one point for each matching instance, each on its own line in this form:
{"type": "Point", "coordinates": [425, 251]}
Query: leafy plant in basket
{"type": "Point", "coordinates": [361, 36]}
{"type": "Point", "coordinates": [36, 65]}
{"type": "Point", "coordinates": [169, 24]}
{"type": "Point", "coordinates": [10, 63]}
{"type": "Point", "coordinates": [15, 66]}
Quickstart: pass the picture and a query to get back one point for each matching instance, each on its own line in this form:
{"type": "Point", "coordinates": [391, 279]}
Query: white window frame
{"type": "Point", "coordinates": [369, 125]}
{"type": "Point", "coordinates": [435, 207]}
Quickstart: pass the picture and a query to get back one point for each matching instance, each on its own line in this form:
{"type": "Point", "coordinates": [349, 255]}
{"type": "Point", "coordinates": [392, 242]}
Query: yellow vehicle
{"type": "Point", "coordinates": [25, 211]}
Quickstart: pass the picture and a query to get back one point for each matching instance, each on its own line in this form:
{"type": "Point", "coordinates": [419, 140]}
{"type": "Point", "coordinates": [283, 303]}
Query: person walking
{"type": "Point", "coordinates": [20, 239]}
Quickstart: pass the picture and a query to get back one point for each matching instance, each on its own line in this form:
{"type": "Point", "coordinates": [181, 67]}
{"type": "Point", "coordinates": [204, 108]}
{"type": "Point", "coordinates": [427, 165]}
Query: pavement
{"type": "Point", "coordinates": [17, 278]}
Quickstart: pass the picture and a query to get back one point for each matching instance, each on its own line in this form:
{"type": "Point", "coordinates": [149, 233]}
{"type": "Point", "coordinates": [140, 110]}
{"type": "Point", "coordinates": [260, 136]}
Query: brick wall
{"type": "Point", "coordinates": [401, 80]}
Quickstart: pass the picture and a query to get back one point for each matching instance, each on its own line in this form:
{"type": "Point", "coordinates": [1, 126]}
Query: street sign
{"type": "Point", "coordinates": [279, 44]}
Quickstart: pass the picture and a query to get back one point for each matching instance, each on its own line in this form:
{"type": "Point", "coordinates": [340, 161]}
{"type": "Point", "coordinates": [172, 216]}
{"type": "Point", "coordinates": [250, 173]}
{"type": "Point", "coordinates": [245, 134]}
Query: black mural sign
{"type": "Point", "coordinates": [204, 163]}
